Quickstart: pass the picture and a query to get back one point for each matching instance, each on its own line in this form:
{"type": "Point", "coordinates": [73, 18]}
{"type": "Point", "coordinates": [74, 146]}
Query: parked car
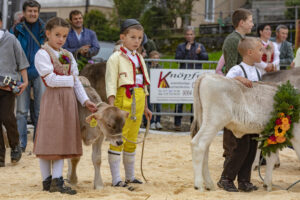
{"type": "Point", "coordinates": [106, 49]}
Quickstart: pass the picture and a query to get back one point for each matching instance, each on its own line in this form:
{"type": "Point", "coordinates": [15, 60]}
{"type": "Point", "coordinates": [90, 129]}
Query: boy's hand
{"type": "Point", "coordinates": [148, 114]}
{"type": "Point", "coordinates": [91, 106]}
{"type": "Point", "coordinates": [22, 87]}
{"type": "Point", "coordinates": [245, 81]}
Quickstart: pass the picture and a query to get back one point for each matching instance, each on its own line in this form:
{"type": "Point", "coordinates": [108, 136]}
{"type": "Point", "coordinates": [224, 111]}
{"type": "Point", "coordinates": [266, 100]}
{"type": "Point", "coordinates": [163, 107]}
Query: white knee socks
{"type": "Point", "coordinates": [128, 161]}
{"type": "Point", "coordinates": [114, 159]}
{"type": "Point", "coordinates": [57, 168]}
{"type": "Point", "coordinates": [45, 166]}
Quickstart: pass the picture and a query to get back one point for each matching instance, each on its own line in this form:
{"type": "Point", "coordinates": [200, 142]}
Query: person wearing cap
{"type": "Point", "coordinates": [81, 41]}
{"type": "Point", "coordinates": [126, 81]}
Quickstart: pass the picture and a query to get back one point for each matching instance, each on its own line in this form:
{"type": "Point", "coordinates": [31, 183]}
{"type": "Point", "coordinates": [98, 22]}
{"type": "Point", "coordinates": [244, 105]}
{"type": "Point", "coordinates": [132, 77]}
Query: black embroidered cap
{"type": "Point", "coordinates": [127, 23]}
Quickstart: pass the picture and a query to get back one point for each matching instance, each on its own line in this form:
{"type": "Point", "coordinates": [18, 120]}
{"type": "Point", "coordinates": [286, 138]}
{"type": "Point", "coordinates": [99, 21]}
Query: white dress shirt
{"type": "Point", "coordinates": [237, 71]}
{"type": "Point", "coordinates": [45, 69]}
{"type": "Point", "coordinates": [132, 55]}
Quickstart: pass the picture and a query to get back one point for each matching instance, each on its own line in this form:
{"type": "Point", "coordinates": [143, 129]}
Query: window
{"type": "Point", "coordinates": [209, 10]}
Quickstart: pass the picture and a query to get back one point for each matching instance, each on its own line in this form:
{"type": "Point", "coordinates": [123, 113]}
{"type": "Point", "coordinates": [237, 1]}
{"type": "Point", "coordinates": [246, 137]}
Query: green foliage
{"type": "Point", "coordinates": [287, 101]}
{"type": "Point", "coordinates": [81, 62]}
{"type": "Point", "coordinates": [152, 20]}
{"type": "Point", "coordinates": [290, 12]}
{"type": "Point", "coordinates": [130, 8]}
{"type": "Point", "coordinates": [97, 21]}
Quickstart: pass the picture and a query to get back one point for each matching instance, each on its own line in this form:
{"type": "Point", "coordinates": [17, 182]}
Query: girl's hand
{"type": "Point", "coordinates": [148, 114]}
{"type": "Point", "coordinates": [91, 106]}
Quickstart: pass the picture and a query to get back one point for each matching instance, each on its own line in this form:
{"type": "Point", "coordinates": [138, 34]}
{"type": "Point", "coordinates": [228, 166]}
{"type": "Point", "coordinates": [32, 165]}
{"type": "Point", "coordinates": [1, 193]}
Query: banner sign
{"type": "Point", "coordinates": [174, 85]}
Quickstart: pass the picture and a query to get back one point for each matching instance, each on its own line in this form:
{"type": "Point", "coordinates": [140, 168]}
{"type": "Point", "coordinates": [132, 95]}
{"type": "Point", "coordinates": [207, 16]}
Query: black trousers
{"type": "Point", "coordinates": [229, 142]}
{"type": "Point", "coordinates": [239, 163]}
{"type": "Point", "coordinates": [8, 119]}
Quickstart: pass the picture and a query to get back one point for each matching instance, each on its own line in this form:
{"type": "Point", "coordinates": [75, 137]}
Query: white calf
{"type": "Point", "coordinates": [222, 102]}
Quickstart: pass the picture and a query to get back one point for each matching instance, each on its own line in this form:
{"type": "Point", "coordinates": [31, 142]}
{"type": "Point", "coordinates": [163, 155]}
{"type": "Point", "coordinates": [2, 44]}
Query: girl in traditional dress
{"type": "Point", "coordinates": [58, 132]}
{"type": "Point", "coordinates": [270, 59]}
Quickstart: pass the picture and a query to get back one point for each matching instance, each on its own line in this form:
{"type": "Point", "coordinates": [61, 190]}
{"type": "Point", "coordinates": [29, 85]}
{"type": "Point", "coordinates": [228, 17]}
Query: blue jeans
{"type": "Point", "coordinates": [23, 102]}
{"type": "Point", "coordinates": [179, 109]}
{"type": "Point", "coordinates": [152, 108]}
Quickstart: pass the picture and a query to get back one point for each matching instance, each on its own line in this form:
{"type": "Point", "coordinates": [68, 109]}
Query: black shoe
{"type": "Point", "coordinates": [16, 154]}
{"type": "Point", "coordinates": [246, 186]}
{"type": "Point", "coordinates": [227, 185]}
{"type": "Point", "coordinates": [2, 164]}
{"type": "Point", "coordinates": [23, 149]}
{"type": "Point", "coordinates": [120, 184]}
{"type": "Point", "coordinates": [134, 181]}
{"type": "Point", "coordinates": [47, 183]}
{"type": "Point", "coordinates": [57, 185]}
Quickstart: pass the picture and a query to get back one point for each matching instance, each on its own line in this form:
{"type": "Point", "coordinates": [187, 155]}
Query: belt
{"type": "Point", "coordinates": [129, 89]}
{"type": "Point", "coordinates": [138, 70]}
{"type": "Point", "coordinates": [12, 84]}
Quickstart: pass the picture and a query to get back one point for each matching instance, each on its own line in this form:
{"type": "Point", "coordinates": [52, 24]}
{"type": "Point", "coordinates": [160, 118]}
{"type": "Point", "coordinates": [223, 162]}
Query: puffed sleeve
{"type": "Point", "coordinates": [111, 75]}
{"type": "Point", "coordinates": [78, 88]}
{"type": "Point", "coordinates": [234, 72]}
{"type": "Point", "coordinates": [44, 67]}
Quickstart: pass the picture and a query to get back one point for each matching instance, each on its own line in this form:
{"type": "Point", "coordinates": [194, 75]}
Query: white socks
{"type": "Point", "coordinates": [114, 159]}
{"type": "Point", "coordinates": [45, 166]}
{"type": "Point", "coordinates": [128, 161]}
{"type": "Point", "coordinates": [57, 168]}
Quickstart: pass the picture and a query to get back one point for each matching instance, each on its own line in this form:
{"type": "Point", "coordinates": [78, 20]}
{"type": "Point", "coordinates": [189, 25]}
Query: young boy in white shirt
{"type": "Point", "coordinates": [240, 161]}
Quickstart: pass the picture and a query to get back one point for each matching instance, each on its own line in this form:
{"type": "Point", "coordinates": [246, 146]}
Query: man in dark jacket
{"type": "Point", "coordinates": [31, 35]}
{"type": "Point", "coordinates": [189, 50]}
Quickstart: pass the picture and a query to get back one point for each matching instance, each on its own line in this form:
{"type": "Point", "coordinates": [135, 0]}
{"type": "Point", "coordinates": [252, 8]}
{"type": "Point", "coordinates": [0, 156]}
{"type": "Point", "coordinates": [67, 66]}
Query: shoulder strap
{"type": "Point", "coordinates": [243, 71]}
{"type": "Point", "coordinates": [32, 35]}
{"type": "Point", "coordinates": [258, 75]}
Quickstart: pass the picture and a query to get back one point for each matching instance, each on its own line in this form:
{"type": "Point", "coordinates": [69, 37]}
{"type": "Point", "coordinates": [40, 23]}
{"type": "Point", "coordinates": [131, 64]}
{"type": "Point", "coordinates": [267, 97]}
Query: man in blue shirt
{"type": "Point", "coordinates": [31, 35]}
{"type": "Point", "coordinates": [81, 41]}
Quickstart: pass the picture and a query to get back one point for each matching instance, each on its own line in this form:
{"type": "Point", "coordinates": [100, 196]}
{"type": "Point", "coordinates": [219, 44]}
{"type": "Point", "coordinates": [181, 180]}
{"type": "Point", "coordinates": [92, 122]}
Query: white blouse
{"type": "Point", "coordinates": [45, 69]}
{"type": "Point", "coordinates": [262, 65]}
{"type": "Point", "coordinates": [237, 71]}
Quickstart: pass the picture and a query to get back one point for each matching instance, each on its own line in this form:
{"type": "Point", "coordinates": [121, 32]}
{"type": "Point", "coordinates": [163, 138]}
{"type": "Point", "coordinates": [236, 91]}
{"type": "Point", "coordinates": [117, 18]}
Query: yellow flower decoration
{"type": "Point", "coordinates": [280, 139]}
{"type": "Point", "coordinates": [271, 142]}
{"type": "Point", "coordinates": [285, 120]}
{"type": "Point", "coordinates": [285, 127]}
{"type": "Point", "coordinates": [281, 115]}
{"type": "Point", "coordinates": [279, 132]}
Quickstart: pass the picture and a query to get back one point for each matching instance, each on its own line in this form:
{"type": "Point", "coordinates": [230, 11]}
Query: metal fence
{"type": "Point", "coordinates": [169, 109]}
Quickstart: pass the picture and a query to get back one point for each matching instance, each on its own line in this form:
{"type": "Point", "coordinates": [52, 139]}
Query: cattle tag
{"type": "Point", "coordinates": [93, 123]}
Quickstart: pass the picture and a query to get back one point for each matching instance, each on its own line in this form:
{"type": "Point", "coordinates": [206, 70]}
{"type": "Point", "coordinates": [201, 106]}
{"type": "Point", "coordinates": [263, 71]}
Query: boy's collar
{"type": "Point", "coordinates": [128, 52]}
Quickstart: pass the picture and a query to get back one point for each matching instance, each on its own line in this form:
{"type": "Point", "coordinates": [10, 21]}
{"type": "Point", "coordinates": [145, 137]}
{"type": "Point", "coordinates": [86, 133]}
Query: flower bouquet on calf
{"type": "Point", "coordinates": [278, 132]}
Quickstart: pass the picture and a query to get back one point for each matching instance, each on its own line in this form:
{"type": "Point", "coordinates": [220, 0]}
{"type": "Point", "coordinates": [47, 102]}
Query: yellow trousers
{"type": "Point", "coordinates": [131, 128]}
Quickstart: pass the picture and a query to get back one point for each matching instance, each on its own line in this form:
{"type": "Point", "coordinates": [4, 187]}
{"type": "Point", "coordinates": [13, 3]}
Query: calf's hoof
{"type": "Point", "coordinates": [98, 187]}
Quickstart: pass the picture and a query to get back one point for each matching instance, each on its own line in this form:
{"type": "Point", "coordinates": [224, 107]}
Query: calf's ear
{"type": "Point", "coordinates": [94, 115]}
{"type": "Point", "coordinates": [125, 113]}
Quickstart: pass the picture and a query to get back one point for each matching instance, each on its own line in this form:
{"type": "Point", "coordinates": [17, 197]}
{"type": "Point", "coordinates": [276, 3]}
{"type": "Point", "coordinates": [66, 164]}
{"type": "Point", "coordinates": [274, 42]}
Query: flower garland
{"type": "Point", "coordinates": [278, 131]}
{"type": "Point", "coordinates": [64, 58]}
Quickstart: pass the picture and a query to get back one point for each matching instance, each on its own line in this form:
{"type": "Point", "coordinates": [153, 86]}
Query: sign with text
{"type": "Point", "coordinates": [174, 85]}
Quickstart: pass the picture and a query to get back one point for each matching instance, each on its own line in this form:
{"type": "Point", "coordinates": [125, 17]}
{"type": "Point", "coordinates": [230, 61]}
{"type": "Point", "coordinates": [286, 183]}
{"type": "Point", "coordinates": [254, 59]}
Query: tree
{"type": "Point", "coordinates": [290, 12]}
{"type": "Point", "coordinates": [153, 19]}
{"type": "Point", "coordinates": [130, 8]}
{"type": "Point", "coordinates": [96, 21]}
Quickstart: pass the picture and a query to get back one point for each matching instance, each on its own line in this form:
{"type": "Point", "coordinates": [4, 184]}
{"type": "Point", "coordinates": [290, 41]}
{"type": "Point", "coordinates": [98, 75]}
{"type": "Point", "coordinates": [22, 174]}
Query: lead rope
{"type": "Point", "coordinates": [142, 156]}
{"type": "Point", "coordinates": [133, 106]}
